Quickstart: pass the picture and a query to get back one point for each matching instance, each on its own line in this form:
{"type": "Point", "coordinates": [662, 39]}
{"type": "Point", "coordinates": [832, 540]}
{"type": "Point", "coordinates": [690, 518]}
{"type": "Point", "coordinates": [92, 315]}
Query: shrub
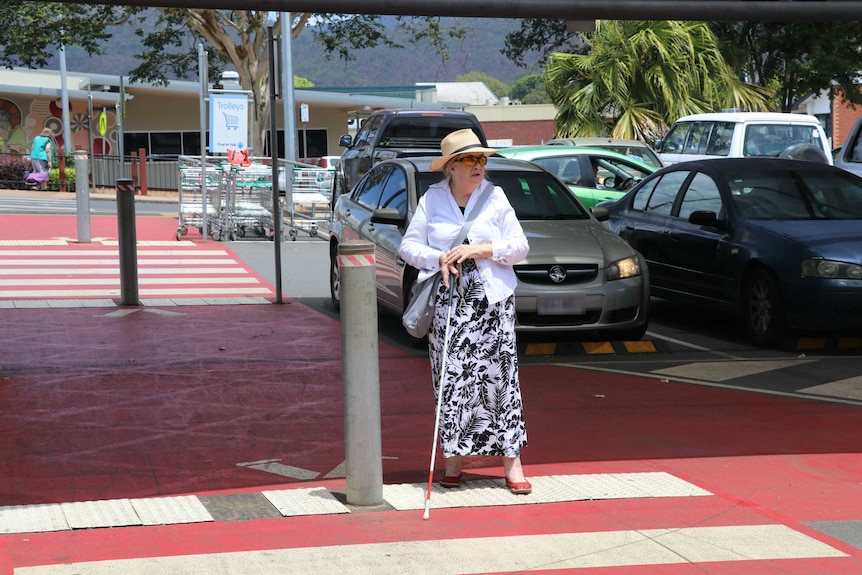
{"type": "Point", "coordinates": [54, 178]}
{"type": "Point", "coordinates": [13, 169]}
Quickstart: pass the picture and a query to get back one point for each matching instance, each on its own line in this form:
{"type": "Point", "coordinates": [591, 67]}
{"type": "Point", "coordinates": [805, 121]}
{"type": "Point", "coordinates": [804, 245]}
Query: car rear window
{"type": "Point", "coordinates": [421, 131]}
{"type": "Point", "coordinates": [772, 139]}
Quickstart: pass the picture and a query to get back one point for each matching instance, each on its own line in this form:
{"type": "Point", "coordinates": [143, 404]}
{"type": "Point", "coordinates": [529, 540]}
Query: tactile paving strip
{"type": "Point", "coordinates": [171, 510]}
{"type": "Point", "coordinates": [92, 514]}
{"type": "Point", "coordinates": [547, 489]}
{"type": "Point", "coordinates": [32, 519]}
{"type": "Point", "coordinates": [319, 501]}
{"type": "Point", "coordinates": [315, 501]}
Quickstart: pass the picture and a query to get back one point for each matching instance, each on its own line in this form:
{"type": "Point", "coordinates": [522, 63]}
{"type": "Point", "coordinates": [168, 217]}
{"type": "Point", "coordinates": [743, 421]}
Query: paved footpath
{"type": "Point", "coordinates": [210, 439]}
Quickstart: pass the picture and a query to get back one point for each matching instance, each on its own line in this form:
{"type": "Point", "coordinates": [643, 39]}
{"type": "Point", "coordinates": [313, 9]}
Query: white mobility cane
{"type": "Point", "coordinates": [427, 515]}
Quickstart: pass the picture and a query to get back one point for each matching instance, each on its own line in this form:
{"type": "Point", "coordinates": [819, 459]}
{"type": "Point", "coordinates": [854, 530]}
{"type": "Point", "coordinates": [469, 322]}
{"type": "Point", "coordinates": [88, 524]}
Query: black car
{"type": "Point", "coordinates": [777, 241]}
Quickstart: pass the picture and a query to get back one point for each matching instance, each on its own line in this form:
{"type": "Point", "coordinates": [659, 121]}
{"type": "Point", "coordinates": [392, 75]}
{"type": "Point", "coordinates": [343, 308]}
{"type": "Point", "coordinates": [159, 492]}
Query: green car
{"type": "Point", "coordinates": [593, 174]}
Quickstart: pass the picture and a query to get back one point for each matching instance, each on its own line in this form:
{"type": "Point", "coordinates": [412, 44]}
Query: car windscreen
{"type": "Point", "coordinates": [533, 195]}
{"type": "Point", "coordinates": [804, 194]}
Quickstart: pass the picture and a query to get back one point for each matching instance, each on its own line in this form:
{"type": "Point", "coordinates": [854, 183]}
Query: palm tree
{"type": "Point", "coordinates": [640, 76]}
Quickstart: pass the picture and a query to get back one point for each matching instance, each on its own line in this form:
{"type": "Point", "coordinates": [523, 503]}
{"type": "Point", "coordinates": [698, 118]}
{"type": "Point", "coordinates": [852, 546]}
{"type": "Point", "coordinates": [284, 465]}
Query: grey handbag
{"type": "Point", "coordinates": [419, 312]}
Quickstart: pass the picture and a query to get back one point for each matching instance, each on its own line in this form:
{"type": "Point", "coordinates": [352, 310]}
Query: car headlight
{"type": "Point", "coordinates": [621, 269]}
{"type": "Point", "coordinates": [830, 269]}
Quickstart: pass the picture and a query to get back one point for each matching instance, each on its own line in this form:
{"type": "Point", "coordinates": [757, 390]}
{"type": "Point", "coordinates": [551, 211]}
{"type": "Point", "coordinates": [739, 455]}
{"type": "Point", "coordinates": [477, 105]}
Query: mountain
{"type": "Point", "coordinates": [382, 66]}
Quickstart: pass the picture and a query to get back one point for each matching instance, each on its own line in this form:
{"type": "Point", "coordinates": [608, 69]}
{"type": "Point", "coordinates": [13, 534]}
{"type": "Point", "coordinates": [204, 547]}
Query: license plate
{"type": "Point", "coordinates": [561, 305]}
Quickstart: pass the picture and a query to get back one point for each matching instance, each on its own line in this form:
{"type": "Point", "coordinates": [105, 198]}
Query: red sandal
{"type": "Point", "coordinates": [451, 481]}
{"type": "Point", "coordinates": [519, 487]}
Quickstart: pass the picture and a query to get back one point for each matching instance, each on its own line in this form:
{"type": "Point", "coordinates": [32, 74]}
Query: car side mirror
{"type": "Point", "coordinates": [345, 141]}
{"type": "Point", "coordinates": [389, 216]}
{"type": "Point", "coordinates": [600, 214]}
{"type": "Point", "coordinates": [705, 218]}
{"type": "Point", "coordinates": [656, 144]}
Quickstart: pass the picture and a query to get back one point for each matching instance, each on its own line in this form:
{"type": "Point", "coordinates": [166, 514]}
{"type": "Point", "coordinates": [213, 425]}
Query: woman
{"type": "Point", "coordinates": [481, 412]}
{"type": "Point", "coordinates": [41, 155]}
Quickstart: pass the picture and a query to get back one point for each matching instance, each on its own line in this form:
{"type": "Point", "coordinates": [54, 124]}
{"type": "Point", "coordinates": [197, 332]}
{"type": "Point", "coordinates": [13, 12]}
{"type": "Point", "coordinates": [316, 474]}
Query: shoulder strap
{"type": "Point", "coordinates": [477, 207]}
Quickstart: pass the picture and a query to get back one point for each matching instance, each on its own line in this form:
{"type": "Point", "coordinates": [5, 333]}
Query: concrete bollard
{"type": "Point", "coordinates": [82, 196]}
{"type": "Point", "coordinates": [127, 239]}
{"type": "Point", "coordinates": [361, 373]}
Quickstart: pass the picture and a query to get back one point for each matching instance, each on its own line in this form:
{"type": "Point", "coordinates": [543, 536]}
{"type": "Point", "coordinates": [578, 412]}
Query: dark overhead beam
{"type": "Point", "coordinates": [725, 10]}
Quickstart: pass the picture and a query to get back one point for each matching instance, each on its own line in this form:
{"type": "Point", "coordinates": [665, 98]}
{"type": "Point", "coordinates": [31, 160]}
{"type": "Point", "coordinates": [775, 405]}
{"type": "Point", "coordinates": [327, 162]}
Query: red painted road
{"type": "Point", "coordinates": [167, 401]}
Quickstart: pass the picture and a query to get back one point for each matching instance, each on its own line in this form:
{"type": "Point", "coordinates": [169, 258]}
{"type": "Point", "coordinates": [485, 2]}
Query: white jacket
{"type": "Point", "coordinates": [437, 222]}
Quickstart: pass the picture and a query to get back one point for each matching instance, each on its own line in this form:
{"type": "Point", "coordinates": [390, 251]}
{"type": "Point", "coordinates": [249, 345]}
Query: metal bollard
{"type": "Point", "coordinates": [361, 373]}
{"type": "Point", "coordinates": [82, 196]}
{"type": "Point", "coordinates": [127, 239]}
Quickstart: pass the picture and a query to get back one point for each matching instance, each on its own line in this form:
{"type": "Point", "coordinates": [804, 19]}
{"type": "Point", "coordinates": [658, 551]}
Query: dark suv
{"type": "Point", "coordinates": [399, 133]}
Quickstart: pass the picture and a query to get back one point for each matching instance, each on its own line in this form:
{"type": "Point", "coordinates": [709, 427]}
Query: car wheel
{"type": "Point", "coordinates": [334, 278]}
{"type": "Point", "coordinates": [763, 309]}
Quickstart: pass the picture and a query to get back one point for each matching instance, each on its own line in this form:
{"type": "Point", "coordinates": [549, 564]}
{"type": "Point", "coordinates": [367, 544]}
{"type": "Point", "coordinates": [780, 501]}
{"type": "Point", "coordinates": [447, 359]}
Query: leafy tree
{"type": "Point", "coordinates": [530, 89]}
{"type": "Point", "coordinates": [799, 58]}
{"type": "Point", "coordinates": [640, 76]}
{"type": "Point", "coordinates": [170, 37]}
{"type": "Point", "coordinates": [499, 88]}
{"type": "Point", "coordinates": [543, 37]}
{"type": "Point", "coordinates": [34, 31]}
{"type": "Point", "coordinates": [299, 82]}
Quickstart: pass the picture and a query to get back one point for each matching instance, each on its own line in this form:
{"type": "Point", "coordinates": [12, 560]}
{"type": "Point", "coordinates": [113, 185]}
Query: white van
{"type": "Point", "coordinates": [743, 134]}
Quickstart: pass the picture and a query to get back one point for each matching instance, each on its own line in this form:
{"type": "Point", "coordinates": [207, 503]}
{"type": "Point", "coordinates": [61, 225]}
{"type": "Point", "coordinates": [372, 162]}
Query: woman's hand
{"type": "Point", "coordinates": [448, 270]}
{"type": "Point", "coordinates": [459, 254]}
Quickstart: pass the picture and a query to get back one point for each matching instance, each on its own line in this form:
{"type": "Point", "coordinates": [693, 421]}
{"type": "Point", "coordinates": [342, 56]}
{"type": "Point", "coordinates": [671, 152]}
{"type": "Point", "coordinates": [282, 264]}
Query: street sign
{"type": "Point", "coordinates": [303, 113]}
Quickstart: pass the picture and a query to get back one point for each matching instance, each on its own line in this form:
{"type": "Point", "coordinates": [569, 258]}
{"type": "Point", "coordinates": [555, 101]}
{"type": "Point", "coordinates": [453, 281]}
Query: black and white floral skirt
{"type": "Point", "coordinates": [482, 412]}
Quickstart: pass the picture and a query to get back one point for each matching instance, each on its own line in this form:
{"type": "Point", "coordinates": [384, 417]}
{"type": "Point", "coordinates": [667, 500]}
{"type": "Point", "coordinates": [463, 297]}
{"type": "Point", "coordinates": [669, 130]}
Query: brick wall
{"type": "Point", "coordinates": [520, 132]}
{"type": "Point", "coordinates": [843, 118]}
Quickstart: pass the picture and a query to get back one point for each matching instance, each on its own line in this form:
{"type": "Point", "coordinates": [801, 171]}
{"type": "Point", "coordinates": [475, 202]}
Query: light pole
{"type": "Point", "coordinates": [64, 102]}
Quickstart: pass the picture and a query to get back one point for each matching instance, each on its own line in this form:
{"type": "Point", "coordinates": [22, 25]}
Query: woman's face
{"type": "Point", "coordinates": [468, 171]}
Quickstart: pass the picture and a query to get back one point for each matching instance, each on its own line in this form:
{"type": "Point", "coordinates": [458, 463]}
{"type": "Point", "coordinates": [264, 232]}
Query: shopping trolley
{"type": "Point", "coordinates": [309, 200]}
{"type": "Point", "coordinates": [199, 199]}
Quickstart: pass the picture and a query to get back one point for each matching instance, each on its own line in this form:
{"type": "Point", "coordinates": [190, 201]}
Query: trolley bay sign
{"type": "Point", "coordinates": [228, 122]}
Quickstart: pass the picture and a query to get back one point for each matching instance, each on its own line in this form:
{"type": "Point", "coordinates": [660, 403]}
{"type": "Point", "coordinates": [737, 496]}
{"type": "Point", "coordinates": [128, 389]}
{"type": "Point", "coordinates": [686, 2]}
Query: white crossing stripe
{"type": "Point", "coordinates": [179, 270]}
{"type": "Point", "coordinates": [486, 554]}
{"type": "Point", "coordinates": [717, 371]}
{"type": "Point", "coordinates": [850, 388]}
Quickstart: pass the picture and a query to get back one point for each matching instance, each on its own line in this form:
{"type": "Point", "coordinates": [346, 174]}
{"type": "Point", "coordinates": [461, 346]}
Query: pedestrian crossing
{"type": "Point", "coordinates": [167, 270]}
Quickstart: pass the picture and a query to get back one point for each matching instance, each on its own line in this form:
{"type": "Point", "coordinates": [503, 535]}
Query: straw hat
{"type": "Point", "coordinates": [459, 142]}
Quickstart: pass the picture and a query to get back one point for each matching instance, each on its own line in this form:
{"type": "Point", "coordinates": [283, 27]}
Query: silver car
{"type": "Point", "coordinates": [579, 276]}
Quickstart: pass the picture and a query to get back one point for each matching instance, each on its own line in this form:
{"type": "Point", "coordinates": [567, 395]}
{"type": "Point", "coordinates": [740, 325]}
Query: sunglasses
{"type": "Point", "coordinates": [471, 161]}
